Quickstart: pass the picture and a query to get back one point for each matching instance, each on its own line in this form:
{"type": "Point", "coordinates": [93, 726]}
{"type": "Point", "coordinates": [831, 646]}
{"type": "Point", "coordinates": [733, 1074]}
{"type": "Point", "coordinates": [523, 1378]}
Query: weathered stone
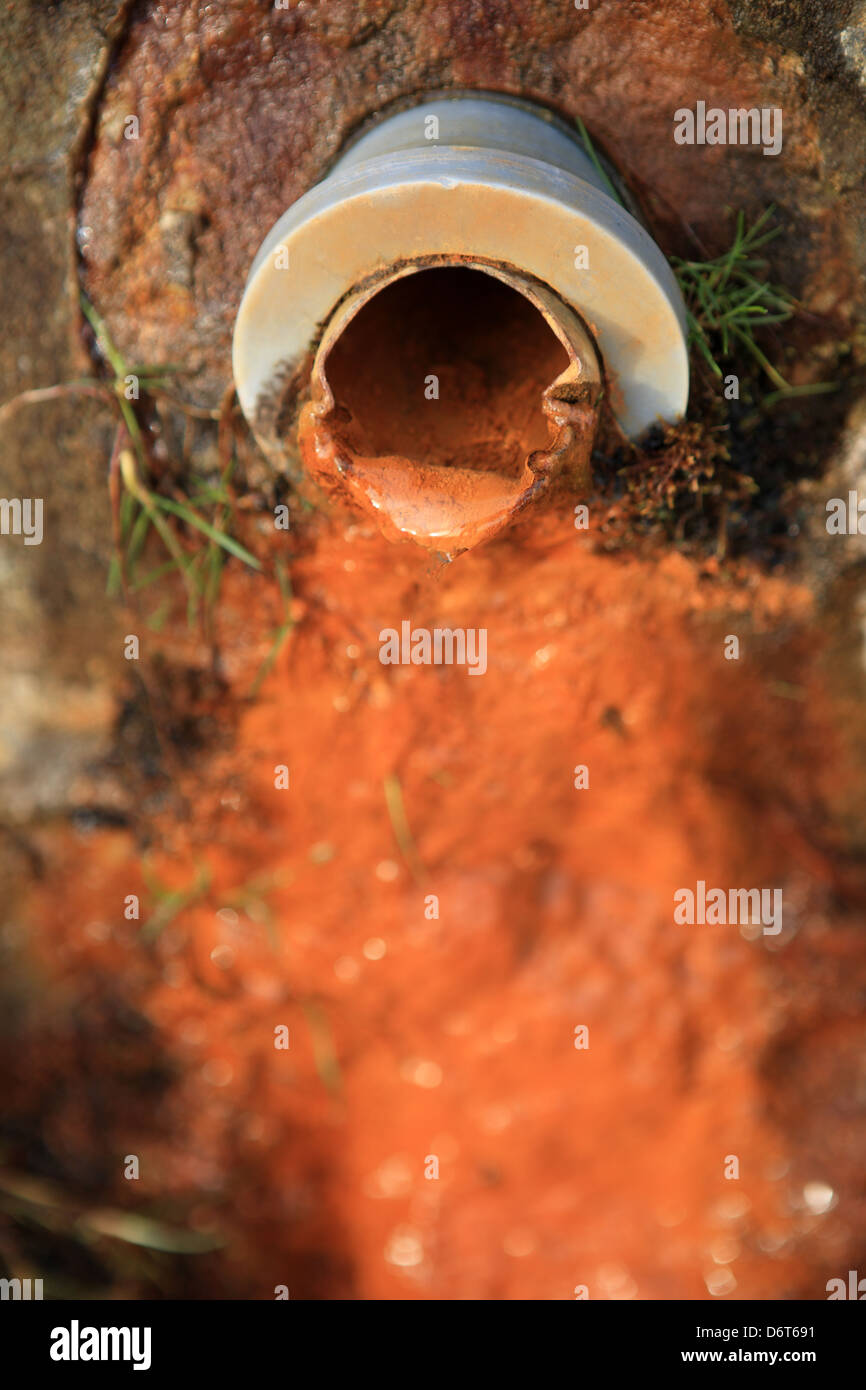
{"type": "Point", "coordinates": [242, 108]}
{"type": "Point", "coordinates": [55, 622]}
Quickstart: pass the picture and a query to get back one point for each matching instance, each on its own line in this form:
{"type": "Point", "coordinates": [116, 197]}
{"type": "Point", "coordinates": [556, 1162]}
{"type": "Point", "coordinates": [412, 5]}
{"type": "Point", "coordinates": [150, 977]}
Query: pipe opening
{"type": "Point", "coordinates": [446, 367]}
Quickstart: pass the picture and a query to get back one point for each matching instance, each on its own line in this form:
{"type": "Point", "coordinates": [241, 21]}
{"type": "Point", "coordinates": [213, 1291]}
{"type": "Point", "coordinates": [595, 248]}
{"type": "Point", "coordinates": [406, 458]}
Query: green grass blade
{"type": "Point", "coordinates": [218, 537]}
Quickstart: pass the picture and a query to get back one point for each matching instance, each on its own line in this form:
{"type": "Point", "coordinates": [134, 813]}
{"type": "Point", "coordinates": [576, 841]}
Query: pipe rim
{"type": "Point", "coordinates": [373, 214]}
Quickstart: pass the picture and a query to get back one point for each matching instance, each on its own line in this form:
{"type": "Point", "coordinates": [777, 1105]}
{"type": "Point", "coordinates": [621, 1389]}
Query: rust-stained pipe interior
{"type": "Point", "coordinates": [492, 355]}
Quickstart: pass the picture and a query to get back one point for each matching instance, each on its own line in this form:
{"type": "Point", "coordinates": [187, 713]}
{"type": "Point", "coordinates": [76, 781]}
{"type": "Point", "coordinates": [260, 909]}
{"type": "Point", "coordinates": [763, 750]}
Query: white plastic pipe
{"type": "Point", "coordinates": [461, 178]}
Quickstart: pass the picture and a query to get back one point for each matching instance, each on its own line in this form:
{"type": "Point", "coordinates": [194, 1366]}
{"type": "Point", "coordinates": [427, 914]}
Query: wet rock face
{"type": "Point", "coordinates": [55, 622]}
{"type": "Point", "coordinates": [239, 109]}
{"type": "Point", "coordinates": [825, 36]}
